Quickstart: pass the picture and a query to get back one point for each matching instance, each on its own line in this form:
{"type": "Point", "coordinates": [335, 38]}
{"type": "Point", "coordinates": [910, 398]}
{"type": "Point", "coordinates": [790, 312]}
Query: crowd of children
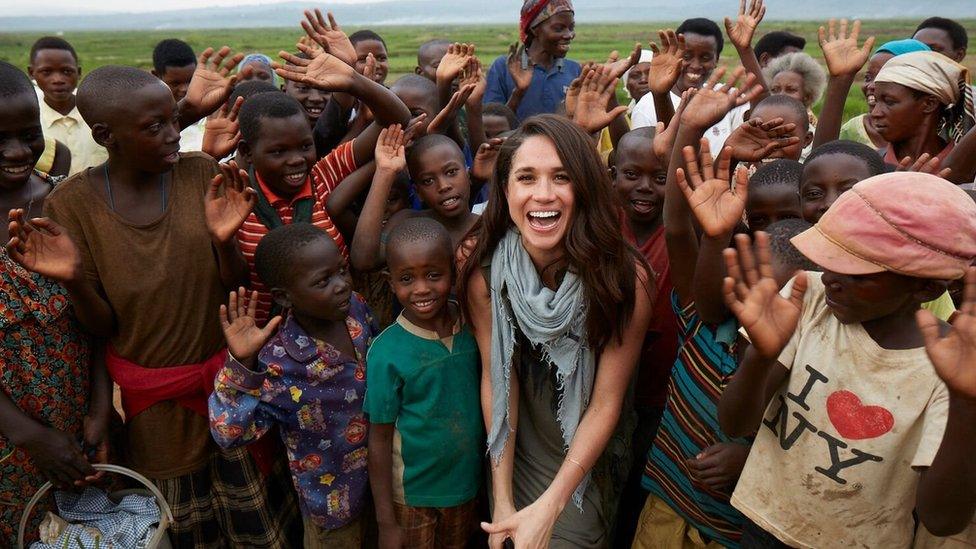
{"type": "Point", "coordinates": [489, 306]}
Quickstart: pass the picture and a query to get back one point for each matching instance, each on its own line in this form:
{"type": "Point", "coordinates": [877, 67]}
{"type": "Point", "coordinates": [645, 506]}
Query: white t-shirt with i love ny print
{"type": "Point", "coordinates": [833, 460]}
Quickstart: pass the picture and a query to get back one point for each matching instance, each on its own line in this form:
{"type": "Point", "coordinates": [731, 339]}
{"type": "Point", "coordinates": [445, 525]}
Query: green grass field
{"type": "Point", "coordinates": [593, 42]}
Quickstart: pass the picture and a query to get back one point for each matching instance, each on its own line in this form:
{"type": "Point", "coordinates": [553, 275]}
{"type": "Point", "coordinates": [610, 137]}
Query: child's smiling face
{"type": "Point", "coordinates": [639, 179]}
{"type": "Point", "coordinates": [283, 154]}
{"type": "Point", "coordinates": [319, 285]}
{"type": "Point", "coordinates": [441, 180]}
{"type": "Point", "coordinates": [21, 140]}
{"type": "Point", "coordinates": [420, 275]}
{"type": "Point", "coordinates": [313, 100]}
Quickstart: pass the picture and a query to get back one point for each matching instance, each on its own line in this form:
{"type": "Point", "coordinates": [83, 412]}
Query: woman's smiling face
{"type": "Point", "coordinates": [540, 197]}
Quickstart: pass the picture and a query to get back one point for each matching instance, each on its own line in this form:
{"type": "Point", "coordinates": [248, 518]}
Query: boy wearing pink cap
{"type": "Point", "coordinates": [861, 412]}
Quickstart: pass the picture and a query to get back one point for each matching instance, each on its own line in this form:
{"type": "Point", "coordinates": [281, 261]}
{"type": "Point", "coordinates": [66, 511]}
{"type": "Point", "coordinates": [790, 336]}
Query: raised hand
{"type": "Point", "coordinates": [440, 122]}
{"type": "Point", "coordinates": [591, 110]}
{"type": "Point", "coordinates": [329, 36]}
{"type": "Point", "coordinates": [744, 28]}
{"type": "Point", "coordinates": [755, 140]}
{"type": "Point", "coordinates": [954, 356]}
{"type": "Point", "coordinates": [223, 132]}
{"type": "Point", "coordinates": [211, 83]}
{"type": "Point", "coordinates": [244, 338]}
{"type": "Point", "coordinates": [522, 77]}
{"type": "Point", "coordinates": [44, 247]}
{"type": "Point", "coordinates": [390, 155]}
{"type": "Point", "coordinates": [226, 213]}
{"type": "Point", "coordinates": [666, 62]}
{"type": "Point", "coordinates": [711, 104]}
{"type": "Point", "coordinates": [716, 203]}
{"type": "Point", "coordinates": [573, 91]}
{"type": "Point", "coordinates": [925, 163]}
{"type": "Point", "coordinates": [321, 70]}
{"type": "Point", "coordinates": [417, 127]}
{"type": "Point", "coordinates": [484, 160]}
{"type": "Point", "coordinates": [751, 293]}
{"type": "Point", "coordinates": [617, 66]}
{"type": "Point", "coordinates": [843, 56]}
{"type": "Point", "coordinates": [664, 136]}
{"type": "Point", "coordinates": [454, 61]}
{"type": "Point", "coordinates": [474, 75]}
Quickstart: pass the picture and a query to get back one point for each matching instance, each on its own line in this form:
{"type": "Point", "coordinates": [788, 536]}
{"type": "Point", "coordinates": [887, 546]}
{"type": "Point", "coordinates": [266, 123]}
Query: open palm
{"type": "Point", "coordinates": [521, 77]}
{"type": "Point", "coordinates": [329, 36]}
{"type": "Point", "coordinates": [716, 204]}
{"type": "Point", "coordinates": [751, 293]}
{"type": "Point", "coordinates": [666, 62]}
{"type": "Point", "coordinates": [954, 356]}
{"type": "Point", "coordinates": [225, 213]}
{"type": "Point", "coordinates": [44, 247]}
{"type": "Point", "coordinates": [389, 152]}
{"type": "Point", "coordinates": [744, 28]}
{"type": "Point", "coordinates": [454, 61]}
{"type": "Point", "coordinates": [211, 84]}
{"type": "Point", "coordinates": [244, 337]}
{"type": "Point", "coordinates": [841, 52]}
{"type": "Point", "coordinates": [321, 70]}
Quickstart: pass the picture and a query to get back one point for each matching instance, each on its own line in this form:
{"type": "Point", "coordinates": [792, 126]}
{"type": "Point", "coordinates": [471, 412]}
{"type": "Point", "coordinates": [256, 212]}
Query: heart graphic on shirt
{"type": "Point", "coordinates": [854, 420]}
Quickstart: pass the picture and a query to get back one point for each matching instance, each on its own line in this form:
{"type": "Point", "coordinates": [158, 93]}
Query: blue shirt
{"type": "Point", "coordinates": [314, 393]}
{"type": "Point", "coordinates": [547, 91]}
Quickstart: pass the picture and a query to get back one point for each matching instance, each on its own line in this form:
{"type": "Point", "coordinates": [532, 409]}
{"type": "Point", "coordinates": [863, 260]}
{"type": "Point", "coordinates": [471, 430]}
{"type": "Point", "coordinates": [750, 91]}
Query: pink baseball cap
{"type": "Point", "coordinates": [910, 223]}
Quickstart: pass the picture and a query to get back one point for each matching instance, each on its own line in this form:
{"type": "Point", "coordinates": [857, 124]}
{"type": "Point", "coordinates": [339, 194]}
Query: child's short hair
{"type": "Point", "coordinates": [428, 142]}
{"type": "Point", "coordinates": [275, 253]}
{"type": "Point", "coordinates": [860, 151]}
{"type": "Point", "coordinates": [788, 102]}
{"type": "Point", "coordinates": [172, 52]}
{"type": "Point", "coordinates": [415, 82]}
{"type": "Point", "coordinates": [646, 132]}
{"type": "Point", "coordinates": [13, 81]}
{"type": "Point", "coordinates": [364, 35]}
{"type": "Point", "coordinates": [250, 88]}
{"type": "Point", "coordinates": [773, 43]}
{"type": "Point", "coordinates": [52, 43]}
{"type": "Point", "coordinates": [703, 27]}
{"type": "Point", "coordinates": [266, 105]}
{"type": "Point", "coordinates": [426, 46]}
{"type": "Point", "coordinates": [778, 172]}
{"type": "Point", "coordinates": [420, 229]}
{"type": "Point", "coordinates": [783, 250]}
{"type": "Point", "coordinates": [108, 86]}
{"type": "Point", "coordinates": [498, 109]}
{"type": "Point", "coordinates": [956, 32]}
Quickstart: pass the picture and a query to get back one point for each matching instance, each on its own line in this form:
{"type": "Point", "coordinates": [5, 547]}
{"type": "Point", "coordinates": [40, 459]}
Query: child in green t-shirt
{"type": "Point", "coordinates": [426, 438]}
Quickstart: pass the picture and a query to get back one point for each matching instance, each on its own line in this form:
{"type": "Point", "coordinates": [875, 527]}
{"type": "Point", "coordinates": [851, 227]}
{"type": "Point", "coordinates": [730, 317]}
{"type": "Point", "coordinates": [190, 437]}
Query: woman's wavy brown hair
{"type": "Point", "coordinates": [595, 247]}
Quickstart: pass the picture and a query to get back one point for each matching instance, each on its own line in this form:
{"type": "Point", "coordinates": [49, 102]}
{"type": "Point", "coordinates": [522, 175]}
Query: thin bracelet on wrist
{"type": "Point", "coordinates": [576, 463]}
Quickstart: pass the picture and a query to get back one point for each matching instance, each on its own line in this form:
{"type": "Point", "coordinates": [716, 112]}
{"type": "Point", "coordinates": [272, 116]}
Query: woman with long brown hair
{"type": "Point", "coordinates": [559, 303]}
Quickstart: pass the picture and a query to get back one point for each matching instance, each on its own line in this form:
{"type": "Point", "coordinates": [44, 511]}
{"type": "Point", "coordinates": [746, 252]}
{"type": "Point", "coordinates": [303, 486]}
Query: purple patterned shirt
{"type": "Point", "coordinates": [314, 394]}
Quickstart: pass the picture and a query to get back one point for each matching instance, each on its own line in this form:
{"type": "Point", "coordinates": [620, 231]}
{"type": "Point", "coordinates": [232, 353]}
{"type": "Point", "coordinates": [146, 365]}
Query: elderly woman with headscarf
{"type": "Point", "coordinates": [861, 128]}
{"type": "Point", "coordinates": [532, 78]}
{"type": "Point", "coordinates": [923, 104]}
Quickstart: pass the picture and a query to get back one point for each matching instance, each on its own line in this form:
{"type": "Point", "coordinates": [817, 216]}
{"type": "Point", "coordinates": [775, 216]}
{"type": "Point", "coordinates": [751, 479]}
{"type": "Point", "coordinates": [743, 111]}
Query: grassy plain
{"type": "Point", "coordinates": [593, 42]}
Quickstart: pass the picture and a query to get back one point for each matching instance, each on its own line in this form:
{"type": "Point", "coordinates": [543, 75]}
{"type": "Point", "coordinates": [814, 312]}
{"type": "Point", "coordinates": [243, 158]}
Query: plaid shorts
{"type": "Point", "coordinates": [436, 527]}
{"type": "Point", "coordinates": [229, 503]}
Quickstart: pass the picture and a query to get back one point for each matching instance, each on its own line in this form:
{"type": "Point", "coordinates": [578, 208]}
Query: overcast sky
{"type": "Point", "coordinates": [19, 7]}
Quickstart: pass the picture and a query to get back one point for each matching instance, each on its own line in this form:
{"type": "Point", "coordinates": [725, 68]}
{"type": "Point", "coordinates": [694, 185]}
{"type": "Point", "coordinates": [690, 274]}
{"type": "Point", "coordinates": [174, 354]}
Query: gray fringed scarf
{"type": "Point", "coordinates": [554, 321]}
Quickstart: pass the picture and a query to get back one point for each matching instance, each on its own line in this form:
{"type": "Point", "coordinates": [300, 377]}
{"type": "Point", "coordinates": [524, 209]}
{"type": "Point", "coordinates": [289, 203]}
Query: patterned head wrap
{"type": "Point", "coordinates": [537, 11]}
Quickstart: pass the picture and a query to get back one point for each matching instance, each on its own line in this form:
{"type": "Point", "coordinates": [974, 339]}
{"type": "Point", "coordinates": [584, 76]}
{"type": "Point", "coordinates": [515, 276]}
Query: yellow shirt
{"type": "Point", "coordinates": [72, 130]}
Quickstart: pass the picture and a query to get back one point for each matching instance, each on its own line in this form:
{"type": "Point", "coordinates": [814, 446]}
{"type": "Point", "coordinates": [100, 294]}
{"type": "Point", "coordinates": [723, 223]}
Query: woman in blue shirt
{"type": "Point", "coordinates": [533, 78]}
